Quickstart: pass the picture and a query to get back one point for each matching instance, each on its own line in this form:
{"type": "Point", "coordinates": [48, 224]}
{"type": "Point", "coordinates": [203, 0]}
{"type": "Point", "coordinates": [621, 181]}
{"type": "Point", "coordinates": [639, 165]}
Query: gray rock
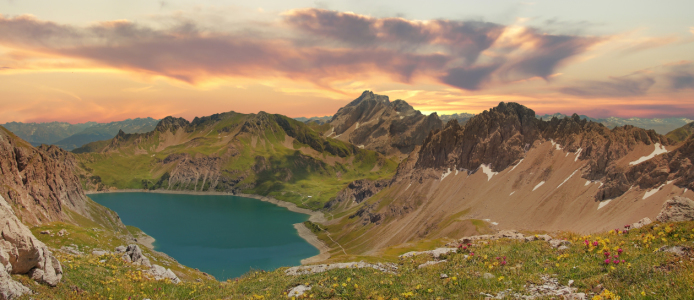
{"type": "Point", "coordinates": [161, 273]}
{"type": "Point", "coordinates": [443, 276]}
{"type": "Point", "coordinates": [488, 276]}
{"type": "Point", "coordinates": [643, 222]}
{"type": "Point", "coordinates": [22, 253]}
{"type": "Point", "coordinates": [431, 263]}
{"type": "Point", "coordinates": [436, 253]}
{"type": "Point", "coordinates": [562, 248]}
{"type": "Point", "coordinates": [556, 243]}
{"type": "Point", "coordinates": [73, 250]}
{"type": "Point", "coordinates": [136, 255]}
{"type": "Point", "coordinates": [677, 250]}
{"type": "Point", "coordinates": [121, 249]}
{"type": "Point", "coordinates": [677, 209]}
{"type": "Point", "coordinates": [298, 291]}
{"type": "Point", "coordinates": [99, 252]}
{"type": "Point", "coordinates": [10, 289]}
{"type": "Point", "coordinates": [311, 269]}
{"type": "Point", "coordinates": [62, 232]}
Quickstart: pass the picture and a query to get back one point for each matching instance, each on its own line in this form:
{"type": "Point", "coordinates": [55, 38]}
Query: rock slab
{"type": "Point", "coordinates": [677, 209]}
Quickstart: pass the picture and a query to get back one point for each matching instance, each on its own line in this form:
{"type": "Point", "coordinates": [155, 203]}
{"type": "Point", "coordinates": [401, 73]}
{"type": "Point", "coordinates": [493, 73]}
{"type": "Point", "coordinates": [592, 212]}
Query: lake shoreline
{"type": "Point", "coordinates": [302, 230]}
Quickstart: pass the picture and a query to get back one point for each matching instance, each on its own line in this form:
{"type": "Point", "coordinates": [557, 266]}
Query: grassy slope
{"type": "Point", "coordinates": [646, 274]}
{"type": "Point", "coordinates": [291, 176]}
{"type": "Point", "coordinates": [682, 133]}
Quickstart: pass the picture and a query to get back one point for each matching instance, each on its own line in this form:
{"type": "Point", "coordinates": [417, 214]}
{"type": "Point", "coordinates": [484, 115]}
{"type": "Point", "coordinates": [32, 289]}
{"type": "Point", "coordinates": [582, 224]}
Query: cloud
{"type": "Point", "coordinates": [681, 76]}
{"type": "Point", "coordinates": [650, 43]}
{"type": "Point", "coordinates": [615, 87]}
{"type": "Point", "coordinates": [314, 45]}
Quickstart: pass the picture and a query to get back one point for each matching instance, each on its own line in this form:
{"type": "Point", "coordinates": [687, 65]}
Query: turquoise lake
{"type": "Point", "coordinates": [225, 236]}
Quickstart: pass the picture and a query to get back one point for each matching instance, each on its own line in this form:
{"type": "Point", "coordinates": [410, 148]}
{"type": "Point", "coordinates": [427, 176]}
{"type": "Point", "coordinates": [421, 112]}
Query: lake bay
{"type": "Point", "coordinates": [222, 235]}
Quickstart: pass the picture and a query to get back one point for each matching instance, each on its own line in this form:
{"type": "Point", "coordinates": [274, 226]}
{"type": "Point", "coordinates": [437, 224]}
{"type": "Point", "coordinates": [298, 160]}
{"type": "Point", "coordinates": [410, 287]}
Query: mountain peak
{"type": "Point", "coordinates": [370, 96]}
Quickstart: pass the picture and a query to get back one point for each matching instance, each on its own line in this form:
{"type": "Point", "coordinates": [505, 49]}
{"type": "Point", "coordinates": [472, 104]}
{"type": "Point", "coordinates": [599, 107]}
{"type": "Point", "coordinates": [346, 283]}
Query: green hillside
{"type": "Point", "coordinates": [682, 133]}
{"type": "Point", "coordinates": [264, 154]}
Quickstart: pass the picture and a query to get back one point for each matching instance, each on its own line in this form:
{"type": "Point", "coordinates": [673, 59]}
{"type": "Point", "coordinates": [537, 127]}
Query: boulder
{"type": "Point", "coordinates": [298, 291]}
{"type": "Point", "coordinates": [677, 209]}
{"type": "Point", "coordinates": [643, 222]}
{"type": "Point", "coordinates": [136, 256]}
{"type": "Point", "coordinates": [98, 252]}
{"type": "Point", "coordinates": [22, 253]}
{"type": "Point", "coordinates": [120, 249]}
{"type": "Point", "coordinates": [10, 289]}
{"type": "Point", "coordinates": [161, 273]}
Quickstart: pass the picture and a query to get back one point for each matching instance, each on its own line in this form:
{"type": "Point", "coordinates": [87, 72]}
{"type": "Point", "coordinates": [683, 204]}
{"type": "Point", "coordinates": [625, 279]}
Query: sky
{"type": "Point", "coordinates": [106, 60]}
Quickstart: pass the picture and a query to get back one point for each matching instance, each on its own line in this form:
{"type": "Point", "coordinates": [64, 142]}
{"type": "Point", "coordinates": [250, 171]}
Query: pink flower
{"type": "Point", "coordinates": [498, 258]}
{"type": "Point", "coordinates": [616, 262]}
{"type": "Point", "coordinates": [460, 246]}
{"type": "Point", "coordinates": [616, 230]}
{"type": "Point", "coordinates": [503, 263]}
{"type": "Point", "coordinates": [595, 243]}
{"type": "Point", "coordinates": [472, 253]}
{"type": "Point", "coordinates": [622, 261]}
{"type": "Point", "coordinates": [607, 254]}
{"type": "Point", "coordinates": [607, 261]}
{"type": "Point", "coordinates": [616, 256]}
{"type": "Point", "coordinates": [586, 242]}
{"type": "Point", "coordinates": [620, 250]}
{"type": "Point", "coordinates": [464, 248]}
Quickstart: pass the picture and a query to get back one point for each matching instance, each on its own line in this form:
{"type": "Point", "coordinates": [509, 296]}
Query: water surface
{"type": "Point", "coordinates": [225, 236]}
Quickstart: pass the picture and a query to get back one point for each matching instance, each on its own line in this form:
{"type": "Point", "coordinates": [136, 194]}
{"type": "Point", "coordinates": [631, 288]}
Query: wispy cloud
{"type": "Point", "coordinates": [313, 45]}
{"type": "Point", "coordinates": [614, 87]}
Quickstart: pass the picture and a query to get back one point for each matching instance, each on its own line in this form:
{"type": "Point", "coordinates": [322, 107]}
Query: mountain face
{"type": "Point", "coordinates": [507, 169]}
{"type": "Point", "coordinates": [374, 122]}
{"type": "Point", "coordinates": [41, 185]}
{"type": "Point", "coordinates": [682, 133]}
{"type": "Point", "coordinates": [262, 153]}
{"type": "Point", "coordinates": [661, 126]}
{"type": "Point", "coordinates": [70, 136]}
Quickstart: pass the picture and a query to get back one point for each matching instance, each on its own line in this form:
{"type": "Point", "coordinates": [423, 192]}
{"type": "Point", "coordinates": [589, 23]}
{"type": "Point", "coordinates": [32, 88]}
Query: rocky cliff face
{"type": "Point", "coordinates": [500, 137]}
{"type": "Point", "coordinates": [38, 182]}
{"type": "Point", "coordinates": [373, 122]}
{"type": "Point", "coordinates": [22, 253]}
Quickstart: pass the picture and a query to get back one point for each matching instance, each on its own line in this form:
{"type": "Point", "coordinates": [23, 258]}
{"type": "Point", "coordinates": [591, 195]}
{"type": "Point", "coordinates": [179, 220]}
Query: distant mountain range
{"type": "Point", "coordinates": [70, 136]}
{"type": "Point", "coordinates": [661, 126]}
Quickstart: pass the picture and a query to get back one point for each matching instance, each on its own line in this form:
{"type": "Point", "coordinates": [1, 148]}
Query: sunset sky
{"type": "Point", "coordinates": [107, 60]}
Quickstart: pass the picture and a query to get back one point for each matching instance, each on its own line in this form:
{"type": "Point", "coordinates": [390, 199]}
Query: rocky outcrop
{"type": "Point", "coordinates": [22, 253]}
{"type": "Point", "coordinates": [199, 173]}
{"type": "Point", "coordinates": [133, 254]}
{"type": "Point", "coordinates": [677, 209]}
{"type": "Point", "coordinates": [161, 273]}
{"type": "Point", "coordinates": [500, 137]}
{"type": "Point", "coordinates": [358, 191]}
{"type": "Point", "coordinates": [39, 182]}
{"type": "Point", "coordinates": [373, 122]}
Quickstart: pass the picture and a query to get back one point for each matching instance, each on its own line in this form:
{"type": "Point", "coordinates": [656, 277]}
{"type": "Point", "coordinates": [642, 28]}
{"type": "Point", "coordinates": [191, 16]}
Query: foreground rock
{"type": "Point", "coordinates": [304, 270]}
{"type": "Point", "coordinates": [677, 209]}
{"type": "Point", "coordinates": [298, 291]}
{"type": "Point", "coordinates": [22, 253]}
{"type": "Point", "coordinates": [161, 273]}
{"type": "Point", "coordinates": [133, 254]}
{"type": "Point", "coordinates": [550, 288]}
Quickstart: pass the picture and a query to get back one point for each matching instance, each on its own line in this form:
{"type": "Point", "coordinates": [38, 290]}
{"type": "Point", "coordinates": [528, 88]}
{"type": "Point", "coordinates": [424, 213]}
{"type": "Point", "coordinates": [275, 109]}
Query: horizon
{"type": "Point", "coordinates": [303, 58]}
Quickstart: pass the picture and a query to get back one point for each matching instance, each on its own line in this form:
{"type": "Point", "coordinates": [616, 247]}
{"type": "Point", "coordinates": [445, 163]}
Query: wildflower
{"type": "Point", "coordinates": [607, 254]}
{"type": "Point", "coordinates": [595, 243]}
{"type": "Point", "coordinates": [616, 262]}
{"type": "Point", "coordinates": [607, 261]}
{"type": "Point", "coordinates": [472, 253]}
{"type": "Point", "coordinates": [620, 250]}
{"type": "Point", "coordinates": [503, 263]}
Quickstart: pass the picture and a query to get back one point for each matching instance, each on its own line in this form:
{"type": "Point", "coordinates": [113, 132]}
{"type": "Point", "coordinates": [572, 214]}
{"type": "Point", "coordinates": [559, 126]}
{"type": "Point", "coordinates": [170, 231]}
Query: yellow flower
{"type": "Point", "coordinates": [454, 278]}
{"type": "Point", "coordinates": [344, 284]}
{"type": "Point", "coordinates": [501, 278]}
{"type": "Point", "coordinates": [643, 293]}
{"type": "Point", "coordinates": [349, 279]}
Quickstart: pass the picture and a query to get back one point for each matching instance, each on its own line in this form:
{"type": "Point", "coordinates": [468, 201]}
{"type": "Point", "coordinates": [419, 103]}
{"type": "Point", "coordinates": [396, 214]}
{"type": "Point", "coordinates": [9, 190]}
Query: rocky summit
{"type": "Point", "coordinates": [374, 122]}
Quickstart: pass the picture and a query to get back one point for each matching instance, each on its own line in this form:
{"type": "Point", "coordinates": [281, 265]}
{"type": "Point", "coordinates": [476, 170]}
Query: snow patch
{"type": "Point", "coordinates": [567, 178]}
{"type": "Point", "coordinates": [555, 144]}
{"type": "Point", "coordinates": [408, 186]}
{"type": "Point", "coordinates": [539, 185]}
{"type": "Point", "coordinates": [603, 203]}
{"type": "Point", "coordinates": [357, 126]}
{"type": "Point", "coordinates": [587, 183]}
{"type": "Point", "coordinates": [514, 167]}
{"type": "Point", "coordinates": [445, 174]}
{"type": "Point", "coordinates": [511, 194]}
{"type": "Point", "coordinates": [337, 136]}
{"type": "Point", "coordinates": [601, 184]}
{"type": "Point", "coordinates": [495, 223]}
{"type": "Point", "coordinates": [361, 146]}
{"type": "Point", "coordinates": [670, 182]}
{"type": "Point", "coordinates": [578, 153]}
{"type": "Point", "coordinates": [652, 192]}
{"type": "Point", "coordinates": [659, 149]}
{"type": "Point", "coordinates": [487, 170]}
{"type": "Point", "coordinates": [402, 117]}
{"type": "Point", "coordinates": [456, 171]}
{"type": "Point", "coordinates": [332, 131]}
